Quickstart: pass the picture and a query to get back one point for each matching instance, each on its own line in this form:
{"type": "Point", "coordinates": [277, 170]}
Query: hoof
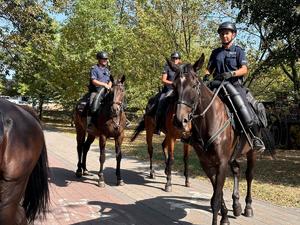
{"type": "Point", "coordinates": [248, 212]}
{"type": "Point", "coordinates": [225, 222]}
{"type": "Point", "coordinates": [152, 175]}
{"type": "Point", "coordinates": [101, 184]}
{"type": "Point", "coordinates": [237, 210]}
{"type": "Point", "coordinates": [166, 171]}
{"type": "Point", "coordinates": [168, 188]}
{"type": "Point", "coordinates": [187, 184]}
{"type": "Point", "coordinates": [78, 173]}
{"type": "Point", "coordinates": [120, 183]}
{"type": "Point", "coordinates": [86, 173]}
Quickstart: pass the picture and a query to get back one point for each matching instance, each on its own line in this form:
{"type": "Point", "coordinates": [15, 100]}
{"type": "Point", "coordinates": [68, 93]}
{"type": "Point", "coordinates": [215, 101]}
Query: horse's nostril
{"type": "Point", "coordinates": [185, 120]}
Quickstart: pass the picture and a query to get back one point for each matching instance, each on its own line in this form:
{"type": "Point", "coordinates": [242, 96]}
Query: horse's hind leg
{"type": "Point", "coordinates": [186, 164]}
{"type": "Point", "coordinates": [102, 142]}
{"type": "Point", "coordinates": [86, 148]}
{"type": "Point", "coordinates": [118, 143]}
{"type": "Point", "coordinates": [251, 158]}
{"type": "Point", "coordinates": [235, 168]}
{"type": "Point", "coordinates": [80, 137]}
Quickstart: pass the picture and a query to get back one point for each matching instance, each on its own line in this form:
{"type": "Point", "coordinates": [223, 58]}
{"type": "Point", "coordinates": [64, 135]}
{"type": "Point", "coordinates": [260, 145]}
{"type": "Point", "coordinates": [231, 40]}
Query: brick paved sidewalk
{"type": "Point", "coordinates": [141, 201]}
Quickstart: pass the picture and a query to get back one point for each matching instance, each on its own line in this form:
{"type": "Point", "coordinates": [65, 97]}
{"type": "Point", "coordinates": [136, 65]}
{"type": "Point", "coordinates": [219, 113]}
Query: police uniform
{"type": "Point", "coordinates": [170, 76]}
{"type": "Point", "coordinates": [166, 91]}
{"type": "Point", "coordinates": [226, 60]}
{"type": "Point", "coordinates": [101, 74]}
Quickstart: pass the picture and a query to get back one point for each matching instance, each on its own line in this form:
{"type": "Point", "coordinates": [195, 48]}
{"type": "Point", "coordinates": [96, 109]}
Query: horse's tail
{"type": "Point", "coordinates": [138, 129]}
{"type": "Point", "coordinates": [36, 199]}
{"type": "Point", "coordinates": [269, 141]}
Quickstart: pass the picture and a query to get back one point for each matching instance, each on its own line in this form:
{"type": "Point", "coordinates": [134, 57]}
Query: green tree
{"type": "Point", "coordinates": [278, 25]}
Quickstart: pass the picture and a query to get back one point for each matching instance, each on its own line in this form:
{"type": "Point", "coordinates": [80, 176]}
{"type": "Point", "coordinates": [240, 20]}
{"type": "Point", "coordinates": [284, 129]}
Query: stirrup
{"type": "Point", "coordinates": [258, 145]}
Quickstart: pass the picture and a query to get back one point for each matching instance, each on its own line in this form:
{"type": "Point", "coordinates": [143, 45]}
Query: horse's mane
{"type": "Point", "coordinates": [31, 111]}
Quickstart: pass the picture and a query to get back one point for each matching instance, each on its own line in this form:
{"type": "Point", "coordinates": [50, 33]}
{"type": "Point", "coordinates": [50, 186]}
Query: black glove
{"type": "Point", "coordinates": [228, 75]}
{"type": "Point", "coordinates": [206, 78]}
{"type": "Point", "coordinates": [224, 76]}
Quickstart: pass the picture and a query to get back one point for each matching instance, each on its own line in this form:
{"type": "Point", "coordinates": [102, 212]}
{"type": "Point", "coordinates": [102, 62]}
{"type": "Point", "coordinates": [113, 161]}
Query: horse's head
{"type": "Point", "coordinates": [186, 85]}
{"type": "Point", "coordinates": [118, 92]}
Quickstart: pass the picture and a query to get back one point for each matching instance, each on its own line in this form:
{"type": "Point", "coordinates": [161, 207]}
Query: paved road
{"type": "Point", "coordinates": [141, 201]}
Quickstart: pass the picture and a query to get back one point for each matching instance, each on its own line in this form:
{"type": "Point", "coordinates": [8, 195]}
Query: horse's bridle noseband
{"type": "Point", "coordinates": [193, 106]}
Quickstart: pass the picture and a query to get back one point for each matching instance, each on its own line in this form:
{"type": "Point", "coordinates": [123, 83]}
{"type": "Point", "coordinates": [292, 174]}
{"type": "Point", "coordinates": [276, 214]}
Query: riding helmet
{"type": "Point", "coordinates": [175, 55]}
{"type": "Point", "coordinates": [102, 55]}
{"type": "Point", "coordinates": [228, 26]}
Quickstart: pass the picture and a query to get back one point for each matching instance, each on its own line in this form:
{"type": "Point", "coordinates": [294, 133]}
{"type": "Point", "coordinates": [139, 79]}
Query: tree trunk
{"type": "Point", "coordinates": [41, 103]}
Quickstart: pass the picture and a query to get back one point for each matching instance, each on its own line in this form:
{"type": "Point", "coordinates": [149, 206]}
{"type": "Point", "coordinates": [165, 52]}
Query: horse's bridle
{"type": "Point", "coordinates": [191, 115]}
{"type": "Point", "coordinates": [120, 104]}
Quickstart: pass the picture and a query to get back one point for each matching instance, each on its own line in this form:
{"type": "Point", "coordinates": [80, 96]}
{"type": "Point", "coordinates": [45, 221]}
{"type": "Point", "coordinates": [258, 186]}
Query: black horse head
{"type": "Point", "coordinates": [186, 84]}
{"type": "Point", "coordinates": [118, 95]}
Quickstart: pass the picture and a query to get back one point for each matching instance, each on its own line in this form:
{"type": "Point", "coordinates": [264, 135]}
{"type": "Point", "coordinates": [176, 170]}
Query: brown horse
{"type": "Point", "coordinates": [110, 122]}
{"type": "Point", "coordinates": [171, 134]}
{"type": "Point", "coordinates": [208, 117]}
{"type": "Point", "coordinates": [24, 192]}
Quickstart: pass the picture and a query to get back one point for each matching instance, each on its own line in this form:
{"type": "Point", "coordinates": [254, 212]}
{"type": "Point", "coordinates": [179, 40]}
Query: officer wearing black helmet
{"type": "Point", "coordinates": [167, 78]}
{"type": "Point", "coordinates": [99, 83]}
{"type": "Point", "coordinates": [229, 63]}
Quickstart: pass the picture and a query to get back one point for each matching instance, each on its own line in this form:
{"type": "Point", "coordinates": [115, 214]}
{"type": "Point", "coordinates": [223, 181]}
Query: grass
{"type": "Point", "coordinates": [275, 180]}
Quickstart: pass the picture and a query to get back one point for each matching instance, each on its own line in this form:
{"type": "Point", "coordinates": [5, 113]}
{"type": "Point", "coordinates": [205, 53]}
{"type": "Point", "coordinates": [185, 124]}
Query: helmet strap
{"type": "Point", "coordinates": [227, 43]}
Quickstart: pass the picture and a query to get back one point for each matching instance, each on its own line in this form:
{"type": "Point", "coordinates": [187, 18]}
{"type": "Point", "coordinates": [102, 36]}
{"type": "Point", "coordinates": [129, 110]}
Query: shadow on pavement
{"type": "Point", "coordinates": [161, 210]}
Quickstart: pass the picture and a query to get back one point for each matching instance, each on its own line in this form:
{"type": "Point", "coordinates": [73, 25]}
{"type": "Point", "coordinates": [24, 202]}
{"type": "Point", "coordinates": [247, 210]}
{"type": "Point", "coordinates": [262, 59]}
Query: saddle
{"type": "Point", "coordinates": [257, 112]}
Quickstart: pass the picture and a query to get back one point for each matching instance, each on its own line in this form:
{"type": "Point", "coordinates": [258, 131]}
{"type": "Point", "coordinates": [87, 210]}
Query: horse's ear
{"type": "Point", "coordinates": [199, 63]}
{"type": "Point", "coordinates": [123, 79]}
{"type": "Point", "coordinates": [172, 65]}
{"type": "Point", "coordinates": [111, 78]}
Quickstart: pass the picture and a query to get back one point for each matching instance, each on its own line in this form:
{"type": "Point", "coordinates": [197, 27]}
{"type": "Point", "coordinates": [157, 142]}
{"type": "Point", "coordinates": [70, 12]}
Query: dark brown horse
{"type": "Point", "coordinates": [193, 100]}
{"type": "Point", "coordinates": [24, 192]}
{"type": "Point", "coordinates": [171, 134]}
{"type": "Point", "coordinates": [110, 122]}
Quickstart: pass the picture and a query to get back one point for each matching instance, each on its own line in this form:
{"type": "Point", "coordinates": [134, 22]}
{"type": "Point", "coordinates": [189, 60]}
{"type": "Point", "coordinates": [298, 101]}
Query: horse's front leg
{"type": "Point", "coordinates": [102, 142]}
{"type": "Point", "coordinates": [80, 137]}
{"type": "Point", "coordinates": [251, 158]}
{"type": "Point", "coordinates": [186, 149]}
{"type": "Point", "coordinates": [86, 147]}
{"type": "Point", "coordinates": [235, 169]}
{"type": "Point", "coordinates": [217, 201]}
{"type": "Point", "coordinates": [170, 161]}
{"type": "Point", "coordinates": [118, 143]}
{"type": "Point", "coordinates": [149, 136]}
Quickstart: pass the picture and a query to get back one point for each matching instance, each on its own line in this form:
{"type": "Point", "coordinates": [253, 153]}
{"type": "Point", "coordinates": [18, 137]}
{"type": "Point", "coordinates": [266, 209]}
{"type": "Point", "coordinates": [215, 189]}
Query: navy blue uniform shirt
{"type": "Point", "coordinates": [98, 73]}
{"type": "Point", "coordinates": [227, 60]}
{"type": "Point", "coordinates": [170, 76]}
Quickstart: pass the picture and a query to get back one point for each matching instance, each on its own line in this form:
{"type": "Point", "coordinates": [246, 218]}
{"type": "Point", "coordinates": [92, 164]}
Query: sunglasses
{"type": "Point", "coordinates": [175, 58]}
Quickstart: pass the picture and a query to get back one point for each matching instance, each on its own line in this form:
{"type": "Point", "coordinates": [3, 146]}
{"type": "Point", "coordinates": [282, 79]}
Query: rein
{"type": "Point", "coordinates": [120, 104]}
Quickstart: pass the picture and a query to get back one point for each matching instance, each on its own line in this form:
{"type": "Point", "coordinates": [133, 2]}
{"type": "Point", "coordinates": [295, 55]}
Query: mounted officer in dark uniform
{"type": "Point", "coordinates": [99, 84]}
{"type": "Point", "coordinates": [229, 63]}
{"type": "Point", "coordinates": [167, 78]}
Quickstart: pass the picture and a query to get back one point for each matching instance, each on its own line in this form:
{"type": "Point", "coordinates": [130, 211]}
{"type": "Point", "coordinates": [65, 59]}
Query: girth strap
{"type": "Point", "coordinates": [214, 137]}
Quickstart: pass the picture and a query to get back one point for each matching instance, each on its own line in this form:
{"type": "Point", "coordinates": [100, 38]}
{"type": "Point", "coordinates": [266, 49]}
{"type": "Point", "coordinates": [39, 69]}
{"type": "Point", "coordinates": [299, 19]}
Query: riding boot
{"type": "Point", "coordinates": [159, 114]}
{"type": "Point", "coordinates": [258, 144]}
{"type": "Point", "coordinates": [91, 128]}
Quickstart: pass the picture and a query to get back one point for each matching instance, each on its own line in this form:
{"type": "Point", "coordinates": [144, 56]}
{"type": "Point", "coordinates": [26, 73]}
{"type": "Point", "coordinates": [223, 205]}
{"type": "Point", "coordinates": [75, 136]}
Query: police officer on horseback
{"type": "Point", "coordinates": [229, 63]}
{"type": "Point", "coordinates": [167, 78]}
{"type": "Point", "coordinates": [99, 84]}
